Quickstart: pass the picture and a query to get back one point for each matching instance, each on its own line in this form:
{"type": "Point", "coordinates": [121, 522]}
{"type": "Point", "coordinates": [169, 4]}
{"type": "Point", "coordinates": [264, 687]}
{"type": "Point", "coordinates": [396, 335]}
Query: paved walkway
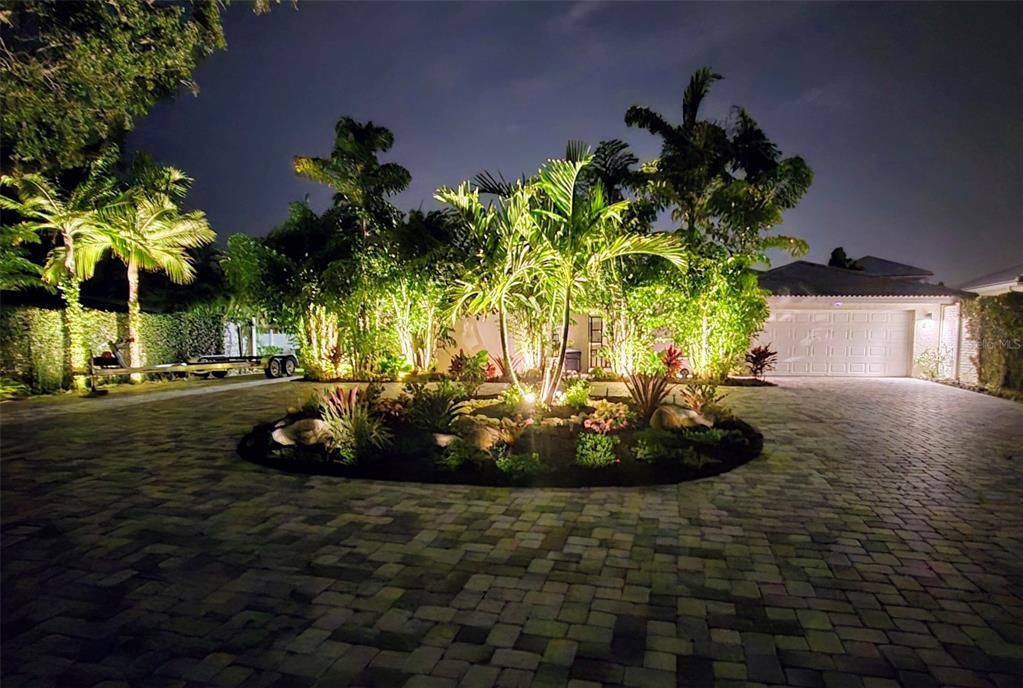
{"type": "Point", "coordinates": [879, 542]}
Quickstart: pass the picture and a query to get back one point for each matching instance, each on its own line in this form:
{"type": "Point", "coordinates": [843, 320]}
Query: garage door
{"type": "Point", "coordinates": [840, 343]}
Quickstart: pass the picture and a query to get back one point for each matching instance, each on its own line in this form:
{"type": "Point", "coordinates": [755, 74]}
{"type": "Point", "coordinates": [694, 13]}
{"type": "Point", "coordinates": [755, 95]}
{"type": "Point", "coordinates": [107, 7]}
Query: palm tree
{"type": "Point", "coordinates": [146, 230]}
{"type": "Point", "coordinates": [73, 220]}
{"type": "Point", "coordinates": [581, 231]}
{"type": "Point", "coordinates": [359, 180]}
{"type": "Point", "coordinates": [725, 182]}
{"type": "Point", "coordinates": [510, 257]}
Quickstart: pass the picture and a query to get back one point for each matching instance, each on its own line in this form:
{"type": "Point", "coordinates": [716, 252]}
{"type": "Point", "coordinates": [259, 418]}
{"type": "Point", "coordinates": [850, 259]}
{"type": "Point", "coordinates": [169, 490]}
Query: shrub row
{"type": "Point", "coordinates": [33, 346]}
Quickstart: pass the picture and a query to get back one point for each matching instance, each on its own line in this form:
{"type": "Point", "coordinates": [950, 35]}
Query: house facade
{"type": "Point", "coordinates": [824, 321]}
{"type": "Point", "coordinates": [874, 322]}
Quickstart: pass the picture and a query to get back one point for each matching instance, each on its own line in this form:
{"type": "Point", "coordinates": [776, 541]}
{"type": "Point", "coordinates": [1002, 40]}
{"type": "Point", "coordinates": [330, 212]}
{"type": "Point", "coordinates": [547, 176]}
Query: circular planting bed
{"type": "Point", "coordinates": [439, 434]}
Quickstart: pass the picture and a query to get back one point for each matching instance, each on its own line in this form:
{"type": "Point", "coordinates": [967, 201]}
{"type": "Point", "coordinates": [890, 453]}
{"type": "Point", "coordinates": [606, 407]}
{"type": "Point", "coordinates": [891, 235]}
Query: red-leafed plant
{"type": "Point", "coordinates": [672, 360]}
{"type": "Point", "coordinates": [760, 359]}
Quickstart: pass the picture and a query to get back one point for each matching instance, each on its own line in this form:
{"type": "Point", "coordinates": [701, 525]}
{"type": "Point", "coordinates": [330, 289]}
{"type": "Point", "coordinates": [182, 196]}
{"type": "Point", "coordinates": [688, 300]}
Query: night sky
{"type": "Point", "coordinates": [910, 115]}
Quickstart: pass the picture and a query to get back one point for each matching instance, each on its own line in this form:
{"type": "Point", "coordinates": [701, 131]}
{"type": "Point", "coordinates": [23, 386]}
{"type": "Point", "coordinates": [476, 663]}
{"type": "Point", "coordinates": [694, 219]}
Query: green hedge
{"type": "Point", "coordinates": [32, 343]}
{"type": "Point", "coordinates": [996, 323]}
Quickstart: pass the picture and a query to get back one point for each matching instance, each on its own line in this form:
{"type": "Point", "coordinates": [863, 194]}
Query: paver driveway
{"type": "Point", "coordinates": [880, 541]}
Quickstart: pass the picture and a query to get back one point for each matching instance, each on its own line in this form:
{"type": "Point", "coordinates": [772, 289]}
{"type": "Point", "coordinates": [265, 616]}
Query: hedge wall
{"type": "Point", "coordinates": [996, 323]}
{"type": "Point", "coordinates": [32, 344]}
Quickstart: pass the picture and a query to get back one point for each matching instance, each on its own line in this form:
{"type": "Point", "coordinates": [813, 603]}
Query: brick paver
{"type": "Point", "coordinates": [878, 542]}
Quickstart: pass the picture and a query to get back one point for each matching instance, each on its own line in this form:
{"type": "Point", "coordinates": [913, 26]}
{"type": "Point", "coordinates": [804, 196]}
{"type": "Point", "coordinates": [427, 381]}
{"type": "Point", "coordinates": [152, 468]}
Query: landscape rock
{"type": "Point", "coordinates": [671, 417]}
{"type": "Point", "coordinates": [308, 431]}
{"type": "Point", "coordinates": [443, 440]}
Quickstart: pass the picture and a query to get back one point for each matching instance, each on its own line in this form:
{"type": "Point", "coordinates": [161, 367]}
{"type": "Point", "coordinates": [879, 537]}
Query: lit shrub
{"type": "Point", "coordinates": [435, 409]}
{"type": "Point", "coordinates": [353, 429]}
{"type": "Point", "coordinates": [577, 395]}
{"type": "Point", "coordinates": [593, 450]}
{"type": "Point", "coordinates": [698, 395]}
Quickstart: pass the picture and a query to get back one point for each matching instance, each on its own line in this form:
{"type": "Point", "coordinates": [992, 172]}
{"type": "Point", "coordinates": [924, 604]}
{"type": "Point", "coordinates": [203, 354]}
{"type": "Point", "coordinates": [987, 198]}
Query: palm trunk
{"type": "Point", "coordinates": [509, 368]}
{"type": "Point", "coordinates": [134, 352]}
{"type": "Point", "coordinates": [70, 289]}
{"type": "Point", "coordinates": [77, 353]}
{"type": "Point", "coordinates": [562, 348]}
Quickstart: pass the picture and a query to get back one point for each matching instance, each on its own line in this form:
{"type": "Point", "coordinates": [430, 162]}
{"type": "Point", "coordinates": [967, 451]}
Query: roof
{"type": "Point", "coordinates": [1009, 274]}
{"type": "Point", "coordinates": [803, 278]}
{"type": "Point", "coordinates": [882, 267]}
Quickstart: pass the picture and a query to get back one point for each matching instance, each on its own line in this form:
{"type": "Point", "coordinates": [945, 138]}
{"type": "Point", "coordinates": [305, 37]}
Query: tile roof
{"type": "Point", "coordinates": [882, 267]}
{"type": "Point", "coordinates": [803, 278]}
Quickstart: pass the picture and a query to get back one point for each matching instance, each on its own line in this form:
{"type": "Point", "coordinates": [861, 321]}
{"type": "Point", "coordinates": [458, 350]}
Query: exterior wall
{"type": "Point", "coordinates": [966, 354]}
{"type": "Point", "coordinates": [475, 334]}
{"type": "Point", "coordinates": [926, 333]}
{"type": "Point", "coordinates": [949, 341]}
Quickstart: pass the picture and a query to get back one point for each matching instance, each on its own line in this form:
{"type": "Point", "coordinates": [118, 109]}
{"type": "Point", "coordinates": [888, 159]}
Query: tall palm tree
{"type": "Point", "coordinates": [510, 257]}
{"type": "Point", "coordinates": [72, 219]}
{"type": "Point", "coordinates": [358, 178]}
{"type": "Point", "coordinates": [725, 183]}
{"type": "Point", "coordinates": [146, 230]}
{"type": "Point", "coordinates": [581, 231]}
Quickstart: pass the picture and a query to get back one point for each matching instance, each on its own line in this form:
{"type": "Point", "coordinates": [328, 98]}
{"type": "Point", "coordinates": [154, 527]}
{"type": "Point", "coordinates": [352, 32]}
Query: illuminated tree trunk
{"type": "Point", "coordinates": [509, 367]}
{"type": "Point", "coordinates": [134, 352]}
{"type": "Point", "coordinates": [77, 352]}
{"type": "Point", "coordinates": [70, 289]}
{"type": "Point", "coordinates": [321, 350]}
{"type": "Point", "coordinates": [551, 384]}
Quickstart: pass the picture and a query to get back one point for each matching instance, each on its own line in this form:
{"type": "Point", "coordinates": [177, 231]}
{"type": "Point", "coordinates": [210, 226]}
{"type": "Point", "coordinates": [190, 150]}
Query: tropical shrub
{"type": "Point", "coordinates": [353, 429]}
{"type": "Point", "coordinates": [435, 408]}
{"type": "Point", "coordinates": [931, 362]}
{"type": "Point", "coordinates": [393, 366]}
{"type": "Point", "coordinates": [520, 465]}
{"type": "Point", "coordinates": [471, 370]}
{"type": "Point", "coordinates": [607, 417]}
{"type": "Point", "coordinates": [760, 359]}
{"type": "Point", "coordinates": [595, 450]}
{"type": "Point", "coordinates": [577, 395]}
{"type": "Point", "coordinates": [648, 391]}
{"type": "Point", "coordinates": [699, 395]}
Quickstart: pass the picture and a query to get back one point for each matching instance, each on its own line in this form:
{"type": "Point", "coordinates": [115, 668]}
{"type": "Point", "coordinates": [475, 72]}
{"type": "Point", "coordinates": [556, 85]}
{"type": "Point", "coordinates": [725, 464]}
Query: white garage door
{"type": "Point", "coordinates": [840, 343]}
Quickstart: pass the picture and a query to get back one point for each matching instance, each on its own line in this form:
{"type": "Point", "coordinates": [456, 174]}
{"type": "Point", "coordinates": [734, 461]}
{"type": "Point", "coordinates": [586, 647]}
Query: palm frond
{"type": "Point", "coordinates": [698, 88]}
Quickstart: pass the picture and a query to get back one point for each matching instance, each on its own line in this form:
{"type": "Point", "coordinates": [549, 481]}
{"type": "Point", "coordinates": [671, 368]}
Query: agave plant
{"type": "Point", "coordinates": [648, 391]}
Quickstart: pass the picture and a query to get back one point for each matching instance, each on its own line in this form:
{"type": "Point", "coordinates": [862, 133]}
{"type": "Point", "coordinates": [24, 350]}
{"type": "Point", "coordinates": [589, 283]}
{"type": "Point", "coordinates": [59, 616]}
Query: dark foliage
{"type": "Point", "coordinates": [760, 359]}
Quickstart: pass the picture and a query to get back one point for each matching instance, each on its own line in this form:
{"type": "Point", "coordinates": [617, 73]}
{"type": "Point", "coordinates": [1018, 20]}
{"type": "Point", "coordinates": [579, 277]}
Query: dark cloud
{"type": "Point", "coordinates": [910, 114]}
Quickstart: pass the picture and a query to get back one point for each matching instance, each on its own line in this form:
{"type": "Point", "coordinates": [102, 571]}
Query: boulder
{"type": "Point", "coordinates": [671, 417]}
{"type": "Point", "coordinates": [442, 440]}
{"type": "Point", "coordinates": [308, 431]}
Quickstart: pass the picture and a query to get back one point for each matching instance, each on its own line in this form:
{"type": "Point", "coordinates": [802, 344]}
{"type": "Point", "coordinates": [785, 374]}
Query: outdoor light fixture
{"type": "Point", "coordinates": [529, 397]}
{"type": "Point", "coordinates": [837, 304]}
{"type": "Point", "coordinates": [929, 316]}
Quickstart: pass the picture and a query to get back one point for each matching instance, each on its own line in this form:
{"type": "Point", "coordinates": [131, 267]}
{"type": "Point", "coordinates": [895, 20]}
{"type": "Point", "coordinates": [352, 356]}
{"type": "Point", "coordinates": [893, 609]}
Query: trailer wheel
{"type": "Point", "coordinates": [219, 374]}
{"type": "Point", "coordinates": [203, 376]}
{"type": "Point", "coordinates": [289, 366]}
{"type": "Point", "coordinates": [273, 368]}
